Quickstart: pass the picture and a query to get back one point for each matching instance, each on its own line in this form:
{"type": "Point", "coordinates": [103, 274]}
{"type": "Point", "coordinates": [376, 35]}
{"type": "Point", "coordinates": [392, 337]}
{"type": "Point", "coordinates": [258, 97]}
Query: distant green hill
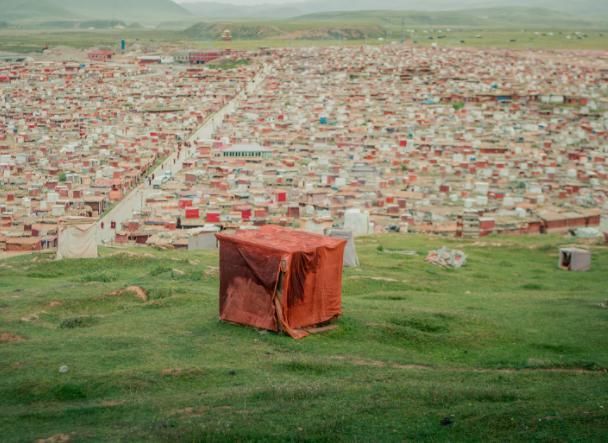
{"type": "Point", "coordinates": [213, 31]}
{"type": "Point", "coordinates": [488, 17]}
{"type": "Point", "coordinates": [17, 10]}
{"type": "Point", "coordinates": [270, 10]}
{"type": "Point", "coordinates": [144, 10]}
{"type": "Point", "coordinates": [284, 29]}
{"type": "Point", "coordinates": [354, 25]}
{"type": "Point", "coordinates": [126, 10]}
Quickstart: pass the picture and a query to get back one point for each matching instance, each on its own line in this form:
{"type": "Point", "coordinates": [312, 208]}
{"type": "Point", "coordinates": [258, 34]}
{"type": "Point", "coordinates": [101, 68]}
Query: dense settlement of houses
{"type": "Point", "coordinates": [458, 142]}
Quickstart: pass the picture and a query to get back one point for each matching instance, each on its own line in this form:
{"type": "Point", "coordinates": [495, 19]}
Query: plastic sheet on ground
{"type": "Point", "coordinates": [447, 258]}
{"type": "Point", "coordinates": [587, 233]}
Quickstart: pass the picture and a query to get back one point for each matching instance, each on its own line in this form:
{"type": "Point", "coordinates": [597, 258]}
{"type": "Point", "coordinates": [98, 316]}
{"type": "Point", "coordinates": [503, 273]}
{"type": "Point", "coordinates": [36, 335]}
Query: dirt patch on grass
{"type": "Point", "coordinates": [488, 244]}
{"type": "Point", "coordinates": [132, 254]}
{"type": "Point", "coordinates": [137, 291]}
{"type": "Point", "coordinates": [212, 271]}
{"type": "Point", "coordinates": [190, 412]}
{"type": "Point", "coordinates": [378, 363]}
{"type": "Point", "coordinates": [31, 317]}
{"type": "Point", "coordinates": [180, 372]}
{"type": "Point", "coordinates": [387, 279]}
{"type": "Point", "coordinates": [112, 403]}
{"type": "Point", "coordinates": [54, 304]}
{"type": "Point", "coordinates": [7, 337]}
{"type": "Point", "coordinates": [57, 438]}
{"type": "Point", "coordinates": [382, 364]}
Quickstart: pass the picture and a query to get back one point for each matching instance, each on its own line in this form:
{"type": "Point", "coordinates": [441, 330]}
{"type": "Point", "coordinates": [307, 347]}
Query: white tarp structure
{"type": "Point", "coordinates": [351, 260]}
{"type": "Point", "coordinates": [357, 222]}
{"type": "Point", "coordinates": [77, 238]}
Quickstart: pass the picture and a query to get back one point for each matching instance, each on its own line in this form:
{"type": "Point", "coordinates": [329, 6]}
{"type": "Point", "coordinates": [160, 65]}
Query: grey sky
{"type": "Point", "coordinates": [243, 2]}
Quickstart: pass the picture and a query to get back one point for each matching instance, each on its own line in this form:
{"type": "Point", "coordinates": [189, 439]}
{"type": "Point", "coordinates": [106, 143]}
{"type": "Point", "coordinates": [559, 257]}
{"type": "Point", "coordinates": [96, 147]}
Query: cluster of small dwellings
{"type": "Point", "coordinates": [76, 137]}
{"type": "Point", "coordinates": [455, 142]}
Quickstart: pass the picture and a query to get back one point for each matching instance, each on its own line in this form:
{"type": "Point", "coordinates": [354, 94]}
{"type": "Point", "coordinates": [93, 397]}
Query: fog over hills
{"type": "Point", "coordinates": [583, 8]}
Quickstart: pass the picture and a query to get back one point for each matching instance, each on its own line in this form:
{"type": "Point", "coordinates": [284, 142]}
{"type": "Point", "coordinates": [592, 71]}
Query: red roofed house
{"type": "Point", "coordinates": [100, 55]}
{"type": "Point", "coordinates": [199, 58]}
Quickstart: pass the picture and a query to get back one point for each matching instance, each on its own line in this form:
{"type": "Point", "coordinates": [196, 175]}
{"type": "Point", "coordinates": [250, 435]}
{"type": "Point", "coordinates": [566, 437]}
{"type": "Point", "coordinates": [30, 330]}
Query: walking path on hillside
{"type": "Point", "coordinates": [135, 199]}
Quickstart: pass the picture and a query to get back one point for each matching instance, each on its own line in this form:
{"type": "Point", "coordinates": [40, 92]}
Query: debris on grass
{"type": "Point", "coordinates": [447, 258]}
{"type": "Point", "coordinates": [63, 369]}
{"type": "Point", "coordinates": [7, 337]}
{"type": "Point", "coordinates": [137, 291]}
{"type": "Point", "coordinates": [54, 303]}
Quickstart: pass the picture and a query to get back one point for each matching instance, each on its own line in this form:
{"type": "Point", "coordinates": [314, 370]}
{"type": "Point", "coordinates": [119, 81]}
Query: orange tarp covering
{"type": "Point", "coordinates": [280, 279]}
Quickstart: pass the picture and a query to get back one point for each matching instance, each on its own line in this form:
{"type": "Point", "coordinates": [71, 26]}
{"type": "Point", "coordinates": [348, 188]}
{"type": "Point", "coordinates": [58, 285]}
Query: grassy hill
{"type": "Point", "coordinates": [485, 18]}
{"type": "Point", "coordinates": [311, 30]}
{"type": "Point", "coordinates": [506, 348]}
{"type": "Point", "coordinates": [126, 10]}
{"type": "Point", "coordinates": [17, 10]}
{"type": "Point", "coordinates": [273, 10]}
{"type": "Point", "coordinates": [222, 11]}
{"type": "Point", "coordinates": [138, 10]}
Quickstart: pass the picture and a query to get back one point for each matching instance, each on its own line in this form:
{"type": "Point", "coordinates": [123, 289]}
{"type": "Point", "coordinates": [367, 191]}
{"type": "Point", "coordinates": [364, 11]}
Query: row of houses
{"type": "Point", "coordinates": [192, 57]}
{"type": "Point", "coordinates": [76, 138]}
{"type": "Point", "coordinates": [457, 142]}
{"type": "Point", "coordinates": [393, 138]}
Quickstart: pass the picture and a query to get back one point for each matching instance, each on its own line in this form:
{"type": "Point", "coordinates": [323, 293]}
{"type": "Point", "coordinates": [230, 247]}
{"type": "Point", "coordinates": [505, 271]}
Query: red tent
{"type": "Point", "coordinates": [280, 279]}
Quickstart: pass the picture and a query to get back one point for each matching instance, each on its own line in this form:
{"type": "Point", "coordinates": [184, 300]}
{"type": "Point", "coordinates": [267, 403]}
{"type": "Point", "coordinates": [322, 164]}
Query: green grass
{"type": "Point", "coordinates": [228, 64]}
{"type": "Point", "coordinates": [506, 348]}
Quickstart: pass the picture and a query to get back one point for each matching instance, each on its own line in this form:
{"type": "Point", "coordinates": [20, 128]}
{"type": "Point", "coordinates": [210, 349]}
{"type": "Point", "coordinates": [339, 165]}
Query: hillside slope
{"type": "Point", "coordinates": [125, 10]}
{"type": "Point", "coordinates": [17, 10]}
{"type": "Point", "coordinates": [272, 10]}
{"type": "Point", "coordinates": [284, 30]}
{"type": "Point", "coordinates": [214, 10]}
{"type": "Point", "coordinates": [139, 10]}
{"type": "Point", "coordinates": [507, 346]}
{"type": "Point", "coordinates": [493, 17]}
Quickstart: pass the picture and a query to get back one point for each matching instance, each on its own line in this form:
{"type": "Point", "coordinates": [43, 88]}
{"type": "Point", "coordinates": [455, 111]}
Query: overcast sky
{"type": "Point", "coordinates": [243, 2]}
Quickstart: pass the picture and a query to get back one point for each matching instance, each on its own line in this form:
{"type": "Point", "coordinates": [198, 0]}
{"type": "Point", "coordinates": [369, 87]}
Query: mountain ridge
{"type": "Point", "coordinates": [125, 10]}
{"type": "Point", "coordinates": [269, 10]}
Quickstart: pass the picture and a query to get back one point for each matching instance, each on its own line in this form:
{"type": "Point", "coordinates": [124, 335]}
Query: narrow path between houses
{"type": "Point", "coordinates": [135, 200]}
